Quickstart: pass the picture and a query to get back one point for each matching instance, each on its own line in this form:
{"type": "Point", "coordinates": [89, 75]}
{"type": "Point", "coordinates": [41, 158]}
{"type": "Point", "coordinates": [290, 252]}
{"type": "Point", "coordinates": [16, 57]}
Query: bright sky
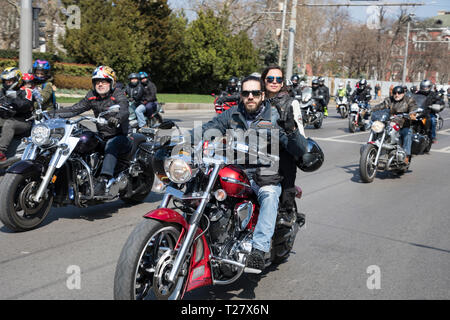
{"type": "Point", "coordinates": [430, 8]}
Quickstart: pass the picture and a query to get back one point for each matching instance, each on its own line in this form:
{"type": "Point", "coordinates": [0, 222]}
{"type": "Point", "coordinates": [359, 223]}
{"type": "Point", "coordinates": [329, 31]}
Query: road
{"type": "Point", "coordinates": [384, 240]}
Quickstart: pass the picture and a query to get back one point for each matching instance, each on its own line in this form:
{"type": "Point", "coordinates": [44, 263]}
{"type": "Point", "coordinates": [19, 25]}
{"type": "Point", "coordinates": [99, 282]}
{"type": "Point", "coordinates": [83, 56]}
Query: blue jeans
{"type": "Point", "coordinates": [406, 134]}
{"type": "Point", "coordinates": [268, 198]}
{"type": "Point", "coordinates": [433, 125]}
{"type": "Point", "coordinates": [115, 147]}
{"type": "Point", "coordinates": [140, 115]}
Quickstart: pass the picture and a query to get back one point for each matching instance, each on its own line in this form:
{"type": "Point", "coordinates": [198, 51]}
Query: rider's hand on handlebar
{"type": "Point", "coordinates": [113, 122]}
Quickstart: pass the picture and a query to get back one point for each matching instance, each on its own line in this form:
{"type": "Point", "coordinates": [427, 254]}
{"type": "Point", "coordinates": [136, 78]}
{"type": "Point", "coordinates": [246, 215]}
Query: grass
{"type": "Point", "coordinates": [162, 97]}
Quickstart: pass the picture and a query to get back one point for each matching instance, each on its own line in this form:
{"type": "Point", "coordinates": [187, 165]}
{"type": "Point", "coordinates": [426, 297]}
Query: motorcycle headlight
{"type": "Point", "coordinates": [377, 126]}
{"type": "Point", "coordinates": [40, 135]}
{"type": "Point", "coordinates": [178, 170]}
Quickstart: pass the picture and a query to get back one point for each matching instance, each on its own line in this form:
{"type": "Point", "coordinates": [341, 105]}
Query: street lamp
{"type": "Point", "coordinates": [405, 69]}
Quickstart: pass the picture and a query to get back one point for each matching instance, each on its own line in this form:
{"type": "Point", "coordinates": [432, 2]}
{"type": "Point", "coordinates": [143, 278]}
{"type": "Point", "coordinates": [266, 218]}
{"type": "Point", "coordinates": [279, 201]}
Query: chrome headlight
{"type": "Point", "coordinates": [377, 126]}
{"type": "Point", "coordinates": [178, 170]}
{"type": "Point", "coordinates": [40, 135]}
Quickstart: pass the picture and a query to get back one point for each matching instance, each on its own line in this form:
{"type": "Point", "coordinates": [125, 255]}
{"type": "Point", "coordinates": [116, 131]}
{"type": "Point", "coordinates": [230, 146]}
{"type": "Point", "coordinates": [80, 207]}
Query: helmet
{"type": "Point", "coordinates": [12, 73]}
{"type": "Point", "coordinates": [312, 159]}
{"type": "Point", "coordinates": [143, 75]}
{"type": "Point", "coordinates": [315, 83]}
{"type": "Point", "coordinates": [295, 78]}
{"type": "Point", "coordinates": [134, 75]}
{"type": "Point", "coordinates": [105, 73]}
{"type": "Point", "coordinates": [28, 77]}
{"type": "Point", "coordinates": [321, 80]}
{"type": "Point", "coordinates": [362, 83]}
{"type": "Point", "coordinates": [341, 85]}
{"type": "Point", "coordinates": [425, 85]}
{"type": "Point", "coordinates": [398, 89]}
{"type": "Point", "coordinates": [233, 81]}
{"type": "Point", "coordinates": [42, 65]}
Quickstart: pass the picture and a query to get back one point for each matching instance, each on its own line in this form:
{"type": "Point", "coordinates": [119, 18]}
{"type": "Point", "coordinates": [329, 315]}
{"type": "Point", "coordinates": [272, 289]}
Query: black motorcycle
{"type": "Point", "coordinates": [58, 168]}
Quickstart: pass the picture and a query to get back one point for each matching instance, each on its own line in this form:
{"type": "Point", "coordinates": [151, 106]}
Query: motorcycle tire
{"type": "Point", "coordinates": [343, 113]}
{"type": "Point", "coordinates": [15, 190]}
{"type": "Point", "coordinates": [367, 167]}
{"type": "Point", "coordinates": [318, 124]}
{"type": "Point", "coordinates": [351, 124]}
{"type": "Point", "coordinates": [135, 271]}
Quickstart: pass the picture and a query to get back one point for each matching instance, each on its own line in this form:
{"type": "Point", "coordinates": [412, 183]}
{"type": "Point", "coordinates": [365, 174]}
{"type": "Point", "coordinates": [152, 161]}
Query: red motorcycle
{"type": "Point", "coordinates": [204, 238]}
{"type": "Point", "coordinates": [222, 107]}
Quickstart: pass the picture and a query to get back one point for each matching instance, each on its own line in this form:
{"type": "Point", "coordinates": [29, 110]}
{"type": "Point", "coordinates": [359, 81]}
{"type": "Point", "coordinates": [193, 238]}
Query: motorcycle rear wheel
{"type": "Point", "coordinates": [145, 262]}
{"type": "Point", "coordinates": [17, 211]}
{"type": "Point", "coordinates": [367, 165]}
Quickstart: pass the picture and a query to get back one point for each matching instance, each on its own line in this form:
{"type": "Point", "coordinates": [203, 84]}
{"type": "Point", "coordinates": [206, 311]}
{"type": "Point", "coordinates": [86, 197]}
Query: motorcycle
{"type": "Point", "coordinates": [152, 120]}
{"type": "Point", "coordinates": [206, 238]}
{"type": "Point", "coordinates": [421, 141]}
{"type": "Point", "coordinates": [356, 116]}
{"type": "Point", "coordinates": [383, 151]}
{"type": "Point", "coordinates": [222, 107]}
{"type": "Point", "coordinates": [58, 167]}
{"type": "Point", "coordinates": [310, 109]}
{"type": "Point", "coordinates": [342, 106]}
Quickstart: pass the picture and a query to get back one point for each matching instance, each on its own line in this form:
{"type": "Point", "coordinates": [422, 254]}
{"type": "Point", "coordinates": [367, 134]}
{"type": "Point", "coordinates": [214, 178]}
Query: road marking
{"type": "Point", "coordinates": [349, 135]}
{"type": "Point", "coordinates": [443, 150]}
{"type": "Point", "coordinates": [336, 140]}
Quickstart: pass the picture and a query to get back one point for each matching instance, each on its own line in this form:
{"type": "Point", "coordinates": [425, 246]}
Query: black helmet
{"type": "Point", "coordinates": [233, 81]}
{"type": "Point", "coordinates": [362, 83]}
{"type": "Point", "coordinates": [398, 89]}
{"type": "Point", "coordinates": [321, 80]}
{"type": "Point", "coordinates": [312, 159]}
{"type": "Point", "coordinates": [295, 78]}
{"type": "Point", "coordinates": [134, 75]}
{"type": "Point", "coordinates": [425, 85]}
{"type": "Point", "coordinates": [315, 83]}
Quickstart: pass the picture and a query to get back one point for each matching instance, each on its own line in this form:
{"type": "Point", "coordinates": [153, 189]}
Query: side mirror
{"type": "Point", "coordinates": [114, 108]}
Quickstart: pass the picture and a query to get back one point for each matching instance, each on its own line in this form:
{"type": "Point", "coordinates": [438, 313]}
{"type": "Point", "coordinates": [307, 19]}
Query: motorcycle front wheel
{"type": "Point", "coordinates": [146, 261]}
{"type": "Point", "coordinates": [18, 211]}
{"type": "Point", "coordinates": [351, 124]}
{"type": "Point", "coordinates": [367, 165]}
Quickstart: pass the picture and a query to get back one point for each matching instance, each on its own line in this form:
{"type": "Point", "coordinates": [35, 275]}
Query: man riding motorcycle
{"type": "Point", "coordinates": [425, 98]}
{"type": "Point", "coordinates": [362, 94]}
{"type": "Point", "coordinates": [20, 103]}
{"type": "Point", "coordinates": [318, 91]}
{"type": "Point", "coordinates": [102, 96]}
{"type": "Point", "coordinates": [326, 93]}
{"type": "Point", "coordinates": [148, 105]}
{"type": "Point", "coordinates": [253, 112]}
{"type": "Point", "coordinates": [400, 103]}
{"type": "Point", "coordinates": [231, 93]}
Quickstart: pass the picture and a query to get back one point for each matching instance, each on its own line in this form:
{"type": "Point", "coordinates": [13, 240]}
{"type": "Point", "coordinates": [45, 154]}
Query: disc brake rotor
{"type": "Point", "coordinates": [162, 288]}
{"type": "Point", "coordinates": [26, 203]}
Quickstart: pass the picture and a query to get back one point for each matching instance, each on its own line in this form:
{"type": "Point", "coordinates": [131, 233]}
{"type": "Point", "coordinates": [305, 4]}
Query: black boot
{"type": "Point", "coordinates": [100, 185]}
{"type": "Point", "coordinates": [255, 259]}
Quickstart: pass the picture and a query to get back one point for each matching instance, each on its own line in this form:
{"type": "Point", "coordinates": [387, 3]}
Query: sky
{"type": "Point", "coordinates": [429, 9]}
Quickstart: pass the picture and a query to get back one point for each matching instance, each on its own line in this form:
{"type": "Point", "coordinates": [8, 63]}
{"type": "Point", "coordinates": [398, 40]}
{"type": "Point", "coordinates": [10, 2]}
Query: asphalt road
{"type": "Point", "coordinates": [384, 240]}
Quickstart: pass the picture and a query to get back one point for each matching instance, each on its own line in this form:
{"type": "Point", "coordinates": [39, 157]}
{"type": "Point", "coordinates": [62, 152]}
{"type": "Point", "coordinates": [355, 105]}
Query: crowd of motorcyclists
{"type": "Point", "coordinates": [264, 101]}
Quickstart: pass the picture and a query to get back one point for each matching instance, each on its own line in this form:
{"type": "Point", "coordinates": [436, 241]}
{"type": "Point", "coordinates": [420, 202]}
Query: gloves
{"type": "Point", "coordinates": [286, 120]}
{"type": "Point", "coordinates": [113, 122]}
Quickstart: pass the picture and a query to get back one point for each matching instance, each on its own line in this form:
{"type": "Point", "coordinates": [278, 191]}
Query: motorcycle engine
{"type": "Point", "coordinates": [221, 226]}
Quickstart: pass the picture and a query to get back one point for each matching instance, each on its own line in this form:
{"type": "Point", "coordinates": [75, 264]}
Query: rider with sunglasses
{"type": "Point", "coordinates": [290, 114]}
{"type": "Point", "coordinates": [255, 113]}
{"type": "Point", "coordinates": [399, 103]}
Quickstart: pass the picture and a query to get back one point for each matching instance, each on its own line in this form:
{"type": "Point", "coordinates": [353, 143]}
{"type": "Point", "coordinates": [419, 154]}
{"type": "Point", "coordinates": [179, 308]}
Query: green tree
{"type": "Point", "coordinates": [110, 34]}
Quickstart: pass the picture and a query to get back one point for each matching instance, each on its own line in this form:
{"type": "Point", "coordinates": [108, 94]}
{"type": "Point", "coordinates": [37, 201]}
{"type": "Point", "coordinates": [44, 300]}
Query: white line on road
{"type": "Point", "coordinates": [349, 135]}
{"type": "Point", "coordinates": [336, 140]}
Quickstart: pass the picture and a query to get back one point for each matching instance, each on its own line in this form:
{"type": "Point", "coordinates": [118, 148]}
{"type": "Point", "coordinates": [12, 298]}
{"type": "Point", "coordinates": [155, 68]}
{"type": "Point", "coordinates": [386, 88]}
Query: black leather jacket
{"type": "Point", "coordinates": [23, 104]}
{"type": "Point", "coordinates": [97, 104]}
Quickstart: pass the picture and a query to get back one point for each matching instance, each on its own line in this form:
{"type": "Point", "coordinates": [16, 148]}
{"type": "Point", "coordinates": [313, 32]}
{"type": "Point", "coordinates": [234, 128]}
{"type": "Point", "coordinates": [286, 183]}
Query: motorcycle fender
{"type": "Point", "coordinates": [25, 167]}
{"type": "Point", "coordinates": [167, 215]}
{"type": "Point", "coordinates": [200, 273]}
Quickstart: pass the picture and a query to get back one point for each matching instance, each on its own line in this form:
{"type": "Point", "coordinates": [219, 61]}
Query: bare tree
{"type": "Point", "coordinates": [9, 24]}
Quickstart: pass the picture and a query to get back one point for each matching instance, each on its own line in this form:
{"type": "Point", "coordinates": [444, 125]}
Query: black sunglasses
{"type": "Point", "coordinates": [271, 79]}
{"type": "Point", "coordinates": [255, 93]}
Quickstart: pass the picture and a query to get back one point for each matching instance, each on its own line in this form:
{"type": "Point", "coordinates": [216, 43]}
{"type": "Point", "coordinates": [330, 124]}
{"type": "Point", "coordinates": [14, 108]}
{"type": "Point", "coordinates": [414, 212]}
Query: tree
{"type": "Point", "coordinates": [110, 34]}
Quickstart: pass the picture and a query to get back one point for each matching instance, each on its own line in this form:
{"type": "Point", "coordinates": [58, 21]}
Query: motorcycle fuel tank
{"type": "Point", "coordinates": [88, 142]}
{"type": "Point", "coordinates": [235, 182]}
